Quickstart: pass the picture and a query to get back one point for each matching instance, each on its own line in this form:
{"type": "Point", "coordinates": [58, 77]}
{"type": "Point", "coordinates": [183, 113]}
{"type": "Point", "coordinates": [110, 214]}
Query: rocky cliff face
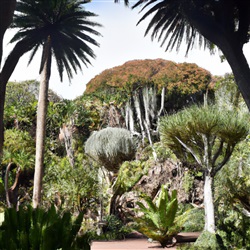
{"type": "Point", "coordinates": [175, 175]}
{"type": "Point", "coordinates": [190, 190]}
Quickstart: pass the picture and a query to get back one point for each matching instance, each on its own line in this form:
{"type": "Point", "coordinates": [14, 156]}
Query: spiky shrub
{"type": "Point", "coordinates": [110, 147]}
{"type": "Point", "coordinates": [37, 228]}
{"type": "Point", "coordinates": [159, 220]}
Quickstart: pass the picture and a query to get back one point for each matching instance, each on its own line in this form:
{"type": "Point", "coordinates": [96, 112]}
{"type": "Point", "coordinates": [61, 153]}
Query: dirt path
{"type": "Point", "coordinates": [128, 244]}
{"type": "Point", "coordinates": [138, 244]}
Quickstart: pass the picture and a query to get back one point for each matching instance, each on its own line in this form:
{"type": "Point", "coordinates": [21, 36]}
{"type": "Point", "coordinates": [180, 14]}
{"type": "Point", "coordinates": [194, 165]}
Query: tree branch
{"type": "Point", "coordinates": [245, 212]}
{"type": "Point", "coordinates": [20, 48]}
{"type": "Point", "coordinates": [218, 152]}
{"type": "Point", "coordinates": [190, 151]}
{"type": "Point", "coordinates": [229, 151]}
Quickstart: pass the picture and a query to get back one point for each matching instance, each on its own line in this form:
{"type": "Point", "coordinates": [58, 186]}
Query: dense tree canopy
{"type": "Point", "coordinates": [136, 73]}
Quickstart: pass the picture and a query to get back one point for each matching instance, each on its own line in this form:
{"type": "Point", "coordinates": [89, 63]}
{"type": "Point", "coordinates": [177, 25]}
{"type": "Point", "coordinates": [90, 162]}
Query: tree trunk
{"type": "Point", "coordinates": [209, 204]}
{"type": "Point", "coordinates": [2, 101]}
{"type": "Point", "coordinates": [12, 192]}
{"type": "Point", "coordinates": [162, 103]}
{"type": "Point", "coordinates": [6, 15]}
{"type": "Point", "coordinates": [41, 123]}
{"type": "Point", "coordinates": [67, 136]}
{"type": "Point", "coordinates": [240, 68]}
{"type": "Point", "coordinates": [113, 203]}
{"type": "Point", "coordinates": [7, 70]}
{"type": "Point", "coordinates": [226, 41]}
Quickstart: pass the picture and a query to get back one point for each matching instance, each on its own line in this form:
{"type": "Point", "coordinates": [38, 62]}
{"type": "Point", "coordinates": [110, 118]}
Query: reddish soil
{"type": "Point", "coordinates": [139, 243]}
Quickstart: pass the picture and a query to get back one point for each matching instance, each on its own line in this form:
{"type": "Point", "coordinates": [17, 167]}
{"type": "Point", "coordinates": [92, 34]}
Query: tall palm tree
{"type": "Point", "coordinates": [225, 24]}
{"type": "Point", "coordinates": [62, 28]}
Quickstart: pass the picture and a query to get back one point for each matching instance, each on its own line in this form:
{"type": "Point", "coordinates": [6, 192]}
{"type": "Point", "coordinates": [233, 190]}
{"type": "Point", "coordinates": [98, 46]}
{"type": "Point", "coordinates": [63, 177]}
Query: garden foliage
{"type": "Point", "coordinates": [159, 220]}
{"type": "Point", "coordinates": [37, 228]}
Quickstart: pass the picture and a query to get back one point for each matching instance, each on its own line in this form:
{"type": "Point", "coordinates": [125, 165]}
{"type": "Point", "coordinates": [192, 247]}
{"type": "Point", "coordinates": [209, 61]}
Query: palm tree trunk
{"type": "Point", "coordinates": [6, 15]}
{"type": "Point", "coordinates": [2, 101]}
{"type": "Point", "coordinates": [209, 205]}
{"type": "Point", "coordinates": [41, 123]}
{"type": "Point", "coordinates": [239, 65]}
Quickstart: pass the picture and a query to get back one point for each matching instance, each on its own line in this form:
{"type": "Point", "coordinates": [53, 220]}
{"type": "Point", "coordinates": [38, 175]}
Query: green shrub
{"type": "Point", "coordinates": [159, 221]}
{"type": "Point", "coordinates": [195, 221]}
{"type": "Point", "coordinates": [31, 228]}
{"type": "Point", "coordinates": [209, 241]}
{"type": "Point", "coordinates": [112, 228]}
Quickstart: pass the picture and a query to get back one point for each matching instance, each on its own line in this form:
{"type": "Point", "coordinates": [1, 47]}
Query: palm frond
{"type": "Point", "coordinates": [126, 2]}
{"type": "Point", "coordinates": [169, 24]}
{"type": "Point", "coordinates": [68, 26]}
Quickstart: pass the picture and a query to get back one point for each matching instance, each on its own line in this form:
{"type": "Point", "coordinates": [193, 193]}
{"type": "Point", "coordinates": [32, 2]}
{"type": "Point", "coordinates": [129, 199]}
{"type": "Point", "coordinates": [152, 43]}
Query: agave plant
{"type": "Point", "coordinates": [37, 228]}
{"type": "Point", "coordinates": [159, 220]}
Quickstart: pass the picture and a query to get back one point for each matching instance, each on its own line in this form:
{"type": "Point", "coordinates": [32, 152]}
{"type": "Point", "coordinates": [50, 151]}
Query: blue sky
{"type": "Point", "coordinates": [121, 41]}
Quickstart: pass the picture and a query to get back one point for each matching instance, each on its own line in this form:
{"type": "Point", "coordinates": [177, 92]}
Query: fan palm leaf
{"type": "Point", "coordinates": [66, 23]}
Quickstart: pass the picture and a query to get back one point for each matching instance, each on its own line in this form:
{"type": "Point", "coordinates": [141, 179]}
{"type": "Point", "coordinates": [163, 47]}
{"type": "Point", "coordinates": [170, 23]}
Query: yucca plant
{"type": "Point", "coordinates": [37, 228]}
{"type": "Point", "coordinates": [159, 220]}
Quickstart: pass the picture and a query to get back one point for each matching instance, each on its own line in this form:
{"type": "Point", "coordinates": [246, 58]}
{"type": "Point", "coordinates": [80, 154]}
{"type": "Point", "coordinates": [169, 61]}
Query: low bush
{"type": "Point", "coordinates": [111, 228]}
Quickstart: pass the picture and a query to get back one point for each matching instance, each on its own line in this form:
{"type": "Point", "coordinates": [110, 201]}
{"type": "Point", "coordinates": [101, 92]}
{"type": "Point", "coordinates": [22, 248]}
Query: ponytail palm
{"type": "Point", "coordinates": [62, 28]}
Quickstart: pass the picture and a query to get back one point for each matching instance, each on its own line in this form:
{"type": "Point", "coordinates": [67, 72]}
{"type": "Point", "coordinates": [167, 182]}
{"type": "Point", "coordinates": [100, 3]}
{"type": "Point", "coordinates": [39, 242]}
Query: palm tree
{"type": "Point", "coordinates": [62, 28]}
{"type": "Point", "coordinates": [206, 136]}
{"type": "Point", "coordinates": [6, 15]}
{"type": "Point", "coordinates": [225, 24]}
{"type": "Point", "coordinates": [110, 147]}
